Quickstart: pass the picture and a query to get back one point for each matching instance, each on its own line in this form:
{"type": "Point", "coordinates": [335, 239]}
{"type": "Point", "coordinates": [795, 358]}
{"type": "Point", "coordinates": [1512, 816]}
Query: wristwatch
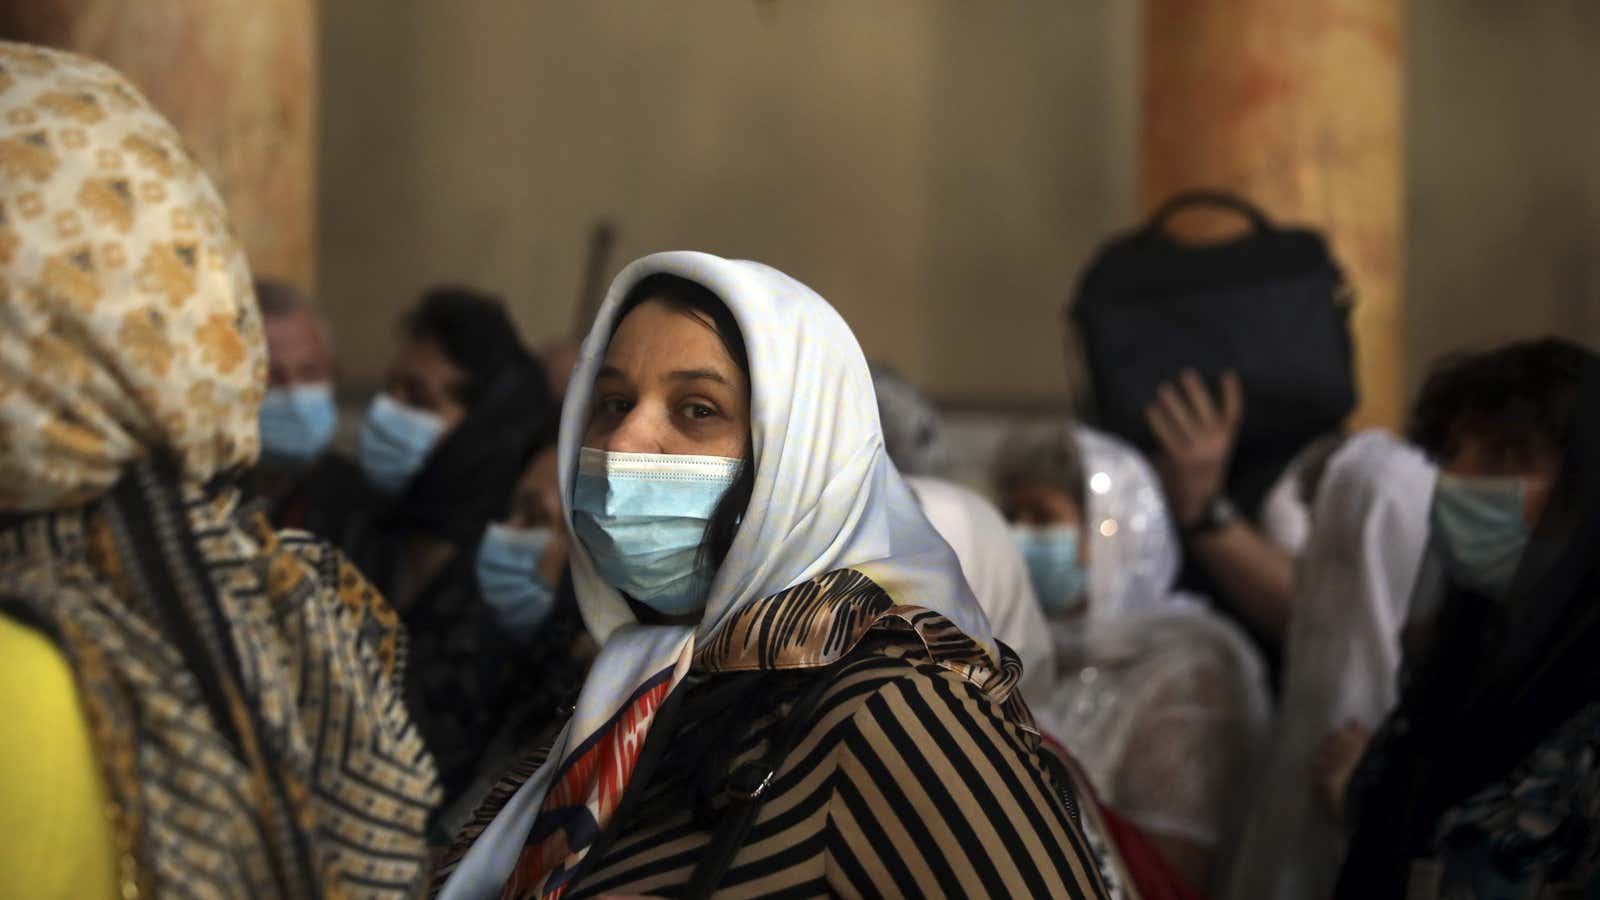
{"type": "Point", "coordinates": [1218, 513]}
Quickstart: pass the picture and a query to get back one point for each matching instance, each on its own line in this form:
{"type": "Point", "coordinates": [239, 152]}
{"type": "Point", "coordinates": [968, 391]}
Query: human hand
{"type": "Point", "coordinates": [1196, 437]}
{"type": "Point", "coordinates": [1336, 762]}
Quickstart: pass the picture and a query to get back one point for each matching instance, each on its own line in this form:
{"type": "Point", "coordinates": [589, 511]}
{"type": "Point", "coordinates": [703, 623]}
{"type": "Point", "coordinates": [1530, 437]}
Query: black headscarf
{"type": "Point", "coordinates": [1499, 678]}
{"type": "Point", "coordinates": [468, 479]}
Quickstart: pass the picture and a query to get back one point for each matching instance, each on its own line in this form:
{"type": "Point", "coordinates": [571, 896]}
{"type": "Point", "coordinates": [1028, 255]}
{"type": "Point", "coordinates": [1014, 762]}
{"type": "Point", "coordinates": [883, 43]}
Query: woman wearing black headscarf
{"type": "Point", "coordinates": [443, 446]}
{"type": "Point", "coordinates": [1485, 782]}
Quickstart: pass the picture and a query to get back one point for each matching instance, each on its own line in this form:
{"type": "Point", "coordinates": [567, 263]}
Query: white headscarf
{"type": "Point", "coordinates": [1159, 761]}
{"type": "Point", "coordinates": [826, 498]}
{"type": "Point", "coordinates": [1352, 595]}
{"type": "Point", "coordinates": [1132, 547]}
{"type": "Point", "coordinates": [995, 569]}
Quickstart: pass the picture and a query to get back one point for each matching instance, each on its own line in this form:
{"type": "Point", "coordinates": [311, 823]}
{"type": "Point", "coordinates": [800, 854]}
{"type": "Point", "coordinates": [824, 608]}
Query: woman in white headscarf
{"type": "Point", "coordinates": [1354, 590]}
{"type": "Point", "coordinates": [796, 690]}
{"type": "Point", "coordinates": [1162, 701]}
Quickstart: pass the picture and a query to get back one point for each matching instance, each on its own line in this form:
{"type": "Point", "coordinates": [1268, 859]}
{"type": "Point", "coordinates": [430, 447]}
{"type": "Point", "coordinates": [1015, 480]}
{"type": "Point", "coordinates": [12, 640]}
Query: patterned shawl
{"type": "Point", "coordinates": [832, 544]}
{"type": "Point", "coordinates": [240, 686]}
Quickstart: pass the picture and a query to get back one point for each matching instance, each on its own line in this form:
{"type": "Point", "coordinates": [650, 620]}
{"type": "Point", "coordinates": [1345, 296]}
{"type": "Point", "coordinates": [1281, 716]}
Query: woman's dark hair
{"type": "Point", "coordinates": [683, 295]}
{"type": "Point", "coordinates": [473, 330]}
{"type": "Point", "coordinates": [1518, 400]}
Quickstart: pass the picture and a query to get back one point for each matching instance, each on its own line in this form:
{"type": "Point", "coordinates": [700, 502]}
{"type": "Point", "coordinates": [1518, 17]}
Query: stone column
{"type": "Point", "coordinates": [1298, 107]}
{"type": "Point", "coordinates": [238, 78]}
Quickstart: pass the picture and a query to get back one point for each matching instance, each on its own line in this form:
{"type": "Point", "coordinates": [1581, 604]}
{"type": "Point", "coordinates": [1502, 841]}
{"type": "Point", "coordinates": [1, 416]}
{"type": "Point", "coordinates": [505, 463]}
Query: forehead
{"type": "Point", "coordinates": [1479, 455]}
{"type": "Point", "coordinates": [298, 325]}
{"type": "Point", "coordinates": [656, 336]}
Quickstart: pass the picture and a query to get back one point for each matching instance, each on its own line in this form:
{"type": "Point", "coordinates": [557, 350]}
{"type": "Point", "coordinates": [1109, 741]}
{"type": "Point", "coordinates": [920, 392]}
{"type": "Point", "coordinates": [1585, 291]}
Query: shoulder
{"type": "Point", "coordinates": [891, 684]}
{"type": "Point", "coordinates": [59, 836]}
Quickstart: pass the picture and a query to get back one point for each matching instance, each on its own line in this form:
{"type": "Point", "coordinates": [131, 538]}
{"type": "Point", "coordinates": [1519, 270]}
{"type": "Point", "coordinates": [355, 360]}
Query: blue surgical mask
{"type": "Point", "coordinates": [509, 579]}
{"type": "Point", "coordinates": [1058, 576]}
{"type": "Point", "coordinates": [297, 423]}
{"type": "Point", "coordinates": [1477, 524]}
{"type": "Point", "coordinates": [642, 517]}
{"type": "Point", "coordinates": [395, 442]}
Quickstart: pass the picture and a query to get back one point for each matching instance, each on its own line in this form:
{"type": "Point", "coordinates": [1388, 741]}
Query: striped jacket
{"type": "Point", "coordinates": [906, 780]}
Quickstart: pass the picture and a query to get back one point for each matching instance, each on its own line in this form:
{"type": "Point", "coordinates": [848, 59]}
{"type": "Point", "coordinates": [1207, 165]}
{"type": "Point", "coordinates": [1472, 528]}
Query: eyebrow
{"type": "Point", "coordinates": [699, 375]}
{"type": "Point", "coordinates": [677, 375]}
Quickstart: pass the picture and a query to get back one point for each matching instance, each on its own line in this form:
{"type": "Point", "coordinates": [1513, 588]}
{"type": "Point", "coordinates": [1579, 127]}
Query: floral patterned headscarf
{"type": "Point", "coordinates": [127, 322]}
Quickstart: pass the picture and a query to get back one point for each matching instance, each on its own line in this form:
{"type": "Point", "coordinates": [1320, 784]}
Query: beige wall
{"type": "Point", "coordinates": [237, 78]}
{"type": "Point", "coordinates": [1504, 174]}
{"type": "Point", "coordinates": [939, 171]}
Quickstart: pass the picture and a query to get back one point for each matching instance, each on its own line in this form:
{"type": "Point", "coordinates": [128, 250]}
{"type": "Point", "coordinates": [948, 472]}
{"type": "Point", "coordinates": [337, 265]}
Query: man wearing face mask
{"type": "Point", "coordinates": [305, 485]}
{"type": "Point", "coordinates": [1482, 781]}
{"type": "Point", "coordinates": [441, 450]}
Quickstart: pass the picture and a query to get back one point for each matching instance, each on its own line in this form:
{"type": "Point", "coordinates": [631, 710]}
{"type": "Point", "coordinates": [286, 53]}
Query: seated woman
{"type": "Point", "coordinates": [1485, 780]}
{"type": "Point", "coordinates": [195, 704]}
{"type": "Point", "coordinates": [796, 691]}
{"type": "Point", "coordinates": [442, 448]}
{"type": "Point", "coordinates": [1162, 701]}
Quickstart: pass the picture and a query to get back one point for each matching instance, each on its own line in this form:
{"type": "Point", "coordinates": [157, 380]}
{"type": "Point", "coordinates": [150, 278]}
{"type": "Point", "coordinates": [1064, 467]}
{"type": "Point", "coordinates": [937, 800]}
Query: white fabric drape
{"type": "Point", "coordinates": [1352, 595]}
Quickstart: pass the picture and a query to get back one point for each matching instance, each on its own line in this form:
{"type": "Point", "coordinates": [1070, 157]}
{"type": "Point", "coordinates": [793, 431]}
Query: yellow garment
{"type": "Point", "coordinates": [53, 812]}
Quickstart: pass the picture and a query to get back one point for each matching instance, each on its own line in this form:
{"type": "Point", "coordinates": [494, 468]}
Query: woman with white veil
{"type": "Point", "coordinates": [1162, 701]}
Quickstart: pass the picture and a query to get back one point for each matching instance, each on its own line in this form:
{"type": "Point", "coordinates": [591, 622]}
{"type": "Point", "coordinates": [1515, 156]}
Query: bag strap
{"type": "Point", "coordinates": [1220, 199]}
{"type": "Point", "coordinates": [747, 785]}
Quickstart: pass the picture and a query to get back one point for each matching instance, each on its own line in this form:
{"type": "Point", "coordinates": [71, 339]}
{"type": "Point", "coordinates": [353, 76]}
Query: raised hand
{"type": "Point", "coordinates": [1197, 437]}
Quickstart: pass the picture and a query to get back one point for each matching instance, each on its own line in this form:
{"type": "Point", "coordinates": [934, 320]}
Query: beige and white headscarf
{"type": "Point", "coordinates": [128, 324]}
{"type": "Point", "coordinates": [242, 686]}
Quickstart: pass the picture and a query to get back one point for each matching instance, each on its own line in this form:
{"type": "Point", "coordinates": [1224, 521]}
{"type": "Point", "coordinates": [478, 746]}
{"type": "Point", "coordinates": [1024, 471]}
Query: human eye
{"type": "Point", "coordinates": [614, 405]}
{"type": "Point", "coordinates": [700, 411]}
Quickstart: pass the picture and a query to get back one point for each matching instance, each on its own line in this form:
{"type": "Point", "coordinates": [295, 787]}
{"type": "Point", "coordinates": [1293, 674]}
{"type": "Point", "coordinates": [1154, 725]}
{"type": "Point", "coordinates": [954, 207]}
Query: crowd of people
{"type": "Point", "coordinates": [698, 609]}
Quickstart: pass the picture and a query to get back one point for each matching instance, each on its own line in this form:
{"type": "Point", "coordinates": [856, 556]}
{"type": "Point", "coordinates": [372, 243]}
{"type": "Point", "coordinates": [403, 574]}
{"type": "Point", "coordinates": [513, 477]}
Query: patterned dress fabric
{"type": "Point", "coordinates": [826, 500]}
{"type": "Point", "coordinates": [1535, 833]}
{"type": "Point", "coordinates": [241, 685]}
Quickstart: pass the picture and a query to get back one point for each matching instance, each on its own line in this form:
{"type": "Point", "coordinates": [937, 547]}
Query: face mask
{"type": "Point", "coordinates": [1478, 525]}
{"type": "Point", "coordinates": [297, 423]}
{"type": "Point", "coordinates": [1058, 577]}
{"type": "Point", "coordinates": [508, 575]}
{"type": "Point", "coordinates": [395, 442]}
{"type": "Point", "coordinates": [642, 517]}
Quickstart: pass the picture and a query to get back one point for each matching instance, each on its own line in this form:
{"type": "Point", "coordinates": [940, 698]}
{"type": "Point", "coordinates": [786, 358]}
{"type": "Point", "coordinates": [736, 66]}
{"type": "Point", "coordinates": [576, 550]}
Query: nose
{"type": "Point", "coordinates": [641, 431]}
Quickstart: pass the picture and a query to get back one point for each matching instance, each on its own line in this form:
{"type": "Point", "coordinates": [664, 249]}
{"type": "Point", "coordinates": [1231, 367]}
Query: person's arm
{"type": "Point", "coordinates": [1256, 575]}
{"type": "Point", "coordinates": [936, 794]}
{"type": "Point", "coordinates": [1196, 436]}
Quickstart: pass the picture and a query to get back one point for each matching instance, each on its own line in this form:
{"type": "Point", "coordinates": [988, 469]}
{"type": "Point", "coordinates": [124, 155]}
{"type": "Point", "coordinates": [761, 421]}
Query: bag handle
{"type": "Point", "coordinates": [1221, 199]}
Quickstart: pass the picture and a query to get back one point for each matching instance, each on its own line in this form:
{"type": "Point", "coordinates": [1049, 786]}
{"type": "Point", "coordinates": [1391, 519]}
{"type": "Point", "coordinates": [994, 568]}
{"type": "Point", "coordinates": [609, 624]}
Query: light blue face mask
{"type": "Point", "coordinates": [1051, 552]}
{"type": "Point", "coordinates": [1478, 525]}
{"type": "Point", "coordinates": [395, 442]}
{"type": "Point", "coordinates": [642, 517]}
{"type": "Point", "coordinates": [297, 423]}
{"type": "Point", "coordinates": [509, 579]}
